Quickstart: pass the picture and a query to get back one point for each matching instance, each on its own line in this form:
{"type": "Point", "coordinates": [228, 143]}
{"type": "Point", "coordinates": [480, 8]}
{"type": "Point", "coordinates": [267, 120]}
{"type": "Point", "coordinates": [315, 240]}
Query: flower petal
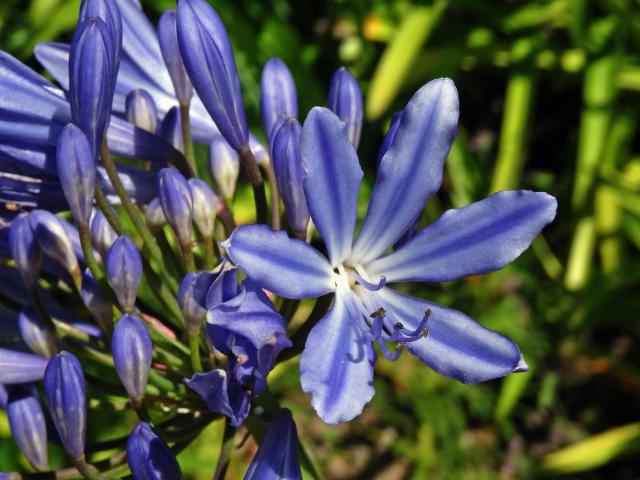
{"type": "Point", "coordinates": [19, 367]}
{"type": "Point", "coordinates": [287, 267]}
{"type": "Point", "coordinates": [456, 346]}
{"type": "Point", "coordinates": [411, 170]}
{"type": "Point", "coordinates": [336, 366]}
{"type": "Point", "coordinates": [479, 238]}
{"type": "Point", "coordinates": [332, 179]}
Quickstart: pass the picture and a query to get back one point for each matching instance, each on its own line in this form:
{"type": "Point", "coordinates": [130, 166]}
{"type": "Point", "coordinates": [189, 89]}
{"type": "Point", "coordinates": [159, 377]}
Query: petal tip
{"type": "Point", "coordinates": [521, 366]}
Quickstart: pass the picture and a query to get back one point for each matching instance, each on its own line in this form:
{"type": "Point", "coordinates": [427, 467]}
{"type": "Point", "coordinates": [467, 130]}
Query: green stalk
{"type": "Point", "coordinates": [225, 451]}
{"type": "Point", "coordinates": [579, 263]}
{"type": "Point", "coordinates": [107, 211]}
{"type": "Point", "coordinates": [275, 195]}
{"type": "Point", "coordinates": [185, 122]}
{"type": "Point", "coordinates": [187, 256]}
{"type": "Point", "coordinates": [194, 347]}
{"type": "Point", "coordinates": [209, 255]}
{"type": "Point", "coordinates": [226, 216]}
{"type": "Point", "coordinates": [252, 171]}
{"type": "Point", "coordinates": [87, 250]}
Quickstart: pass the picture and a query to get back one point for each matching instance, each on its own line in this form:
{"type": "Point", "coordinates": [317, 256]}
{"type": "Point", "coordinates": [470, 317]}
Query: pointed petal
{"type": "Point", "coordinates": [479, 238]}
{"type": "Point", "coordinates": [221, 395]}
{"type": "Point", "coordinates": [411, 170]}
{"type": "Point", "coordinates": [332, 180]}
{"type": "Point", "coordinates": [18, 367]}
{"type": "Point", "coordinates": [287, 267]}
{"type": "Point", "coordinates": [336, 366]}
{"type": "Point", "coordinates": [456, 346]}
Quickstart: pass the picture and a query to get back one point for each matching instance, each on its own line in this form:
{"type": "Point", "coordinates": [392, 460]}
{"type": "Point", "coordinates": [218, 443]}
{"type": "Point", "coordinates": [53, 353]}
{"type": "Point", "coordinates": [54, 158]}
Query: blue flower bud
{"type": "Point", "coordinates": [391, 134]}
{"type": "Point", "coordinates": [3, 396]}
{"type": "Point", "coordinates": [28, 425]}
{"type": "Point", "coordinates": [345, 100]}
{"type": "Point", "coordinates": [38, 336]}
{"type": "Point", "coordinates": [76, 171]}
{"type": "Point", "coordinates": [102, 233]}
{"type": "Point", "coordinates": [204, 204]}
{"type": "Point", "coordinates": [168, 36]}
{"type": "Point", "coordinates": [208, 58]}
{"type": "Point", "coordinates": [96, 301]}
{"type": "Point", "coordinates": [224, 166]}
{"type": "Point", "coordinates": [149, 457]}
{"type": "Point", "coordinates": [109, 13]}
{"type": "Point", "coordinates": [131, 347]}
{"type": "Point", "coordinates": [192, 310]}
{"type": "Point", "coordinates": [64, 389]}
{"type": "Point", "coordinates": [25, 250]}
{"type": "Point", "coordinates": [175, 198]}
{"type": "Point", "coordinates": [123, 266]}
{"type": "Point", "coordinates": [155, 216]}
{"type": "Point", "coordinates": [52, 236]}
{"type": "Point", "coordinates": [277, 94]}
{"type": "Point", "coordinates": [287, 166]}
{"type": "Point", "coordinates": [141, 110]}
{"type": "Point", "coordinates": [92, 71]}
{"type": "Point", "coordinates": [19, 367]}
{"type": "Point", "coordinates": [277, 457]}
{"type": "Point", "coordinates": [171, 129]}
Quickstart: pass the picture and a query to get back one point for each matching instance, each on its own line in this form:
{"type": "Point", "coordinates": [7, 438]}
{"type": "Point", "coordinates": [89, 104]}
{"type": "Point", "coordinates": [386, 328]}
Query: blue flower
{"type": "Point", "coordinates": [337, 362]}
{"type": "Point", "coordinates": [243, 325]}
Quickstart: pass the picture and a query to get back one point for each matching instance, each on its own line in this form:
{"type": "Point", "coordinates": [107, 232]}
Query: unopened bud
{"type": "Point", "coordinates": [28, 425]}
{"type": "Point", "coordinates": [224, 166]}
{"type": "Point", "coordinates": [149, 457]}
{"type": "Point", "coordinates": [52, 236]}
{"type": "Point", "coordinates": [175, 198]}
{"type": "Point", "coordinates": [25, 250]}
{"type": "Point", "coordinates": [345, 100]}
{"type": "Point", "coordinates": [37, 334]}
{"type": "Point", "coordinates": [204, 203]}
{"type": "Point", "coordinates": [123, 266]}
{"type": "Point", "coordinates": [131, 347]}
{"type": "Point", "coordinates": [141, 110]}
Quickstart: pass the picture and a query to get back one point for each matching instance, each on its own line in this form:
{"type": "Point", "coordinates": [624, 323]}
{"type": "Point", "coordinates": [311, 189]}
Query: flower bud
{"type": "Point", "coordinates": [277, 457]}
{"type": "Point", "coordinates": [155, 216]}
{"type": "Point", "coordinates": [25, 250]}
{"type": "Point", "coordinates": [131, 347]}
{"type": "Point", "coordinates": [345, 100]}
{"type": "Point", "coordinates": [192, 310]}
{"type": "Point", "coordinates": [149, 457]}
{"type": "Point", "coordinates": [171, 129]}
{"type": "Point", "coordinates": [28, 425]}
{"type": "Point", "coordinates": [287, 166]}
{"type": "Point", "coordinates": [204, 204]}
{"type": "Point", "coordinates": [64, 389]}
{"type": "Point", "coordinates": [96, 301]}
{"type": "Point", "coordinates": [141, 110]}
{"type": "Point", "coordinates": [3, 396]}
{"type": "Point", "coordinates": [260, 153]}
{"type": "Point", "coordinates": [38, 336]}
{"type": "Point", "coordinates": [123, 266]}
{"type": "Point", "coordinates": [52, 236]}
{"type": "Point", "coordinates": [168, 36]}
{"type": "Point", "coordinates": [76, 171]}
{"type": "Point", "coordinates": [18, 367]}
{"type": "Point", "coordinates": [391, 133]}
{"type": "Point", "coordinates": [208, 59]}
{"type": "Point", "coordinates": [92, 71]}
{"type": "Point", "coordinates": [109, 13]}
{"type": "Point", "coordinates": [277, 95]}
{"type": "Point", "coordinates": [175, 198]}
{"type": "Point", "coordinates": [102, 233]}
{"type": "Point", "coordinates": [224, 166]}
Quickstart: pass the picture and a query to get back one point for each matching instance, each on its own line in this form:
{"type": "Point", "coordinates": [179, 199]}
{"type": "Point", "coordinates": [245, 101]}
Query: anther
{"type": "Point", "coordinates": [425, 332]}
{"type": "Point", "coordinates": [381, 312]}
{"type": "Point", "coordinates": [400, 347]}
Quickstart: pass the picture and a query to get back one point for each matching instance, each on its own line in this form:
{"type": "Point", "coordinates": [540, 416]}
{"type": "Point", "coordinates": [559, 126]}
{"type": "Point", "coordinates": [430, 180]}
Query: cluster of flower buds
{"type": "Point", "coordinates": [179, 325]}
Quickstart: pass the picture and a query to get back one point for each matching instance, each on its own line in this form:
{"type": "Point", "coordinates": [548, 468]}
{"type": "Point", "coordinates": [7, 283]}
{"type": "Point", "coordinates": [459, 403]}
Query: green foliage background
{"type": "Point", "coordinates": [549, 101]}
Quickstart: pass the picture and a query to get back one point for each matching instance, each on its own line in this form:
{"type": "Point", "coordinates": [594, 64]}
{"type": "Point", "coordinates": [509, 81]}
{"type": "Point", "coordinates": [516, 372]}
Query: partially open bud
{"type": "Point", "coordinates": [224, 166]}
{"type": "Point", "coordinates": [65, 391]}
{"type": "Point", "coordinates": [102, 233]}
{"type": "Point", "coordinates": [193, 312]}
{"type": "Point", "coordinates": [155, 216]}
{"type": "Point", "coordinates": [76, 171]}
{"type": "Point", "coordinates": [171, 129]}
{"type": "Point", "coordinates": [19, 367]}
{"type": "Point", "coordinates": [149, 457]}
{"type": "Point", "coordinates": [123, 266]}
{"type": "Point", "coordinates": [25, 250]}
{"type": "Point", "coordinates": [141, 110]}
{"type": "Point", "coordinates": [175, 198]}
{"type": "Point", "coordinates": [204, 204]}
{"type": "Point", "coordinates": [28, 425]}
{"type": "Point", "coordinates": [96, 301]}
{"type": "Point", "coordinates": [168, 36]}
{"type": "Point", "coordinates": [52, 236]}
{"type": "Point", "coordinates": [208, 58]}
{"type": "Point", "coordinates": [131, 347]}
{"type": "Point", "coordinates": [93, 67]}
{"type": "Point", "coordinates": [38, 336]}
{"type": "Point", "coordinates": [287, 165]}
{"type": "Point", "coordinates": [277, 457]}
{"type": "Point", "coordinates": [277, 95]}
{"type": "Point", "coordinates": [345, 100]}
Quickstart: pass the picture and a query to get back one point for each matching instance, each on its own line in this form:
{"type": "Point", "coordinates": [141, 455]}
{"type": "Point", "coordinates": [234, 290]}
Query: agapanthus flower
{"type": "Point", "coordinates": [243, 325]}
{"type": "Point", "coordinates": [337, 362]}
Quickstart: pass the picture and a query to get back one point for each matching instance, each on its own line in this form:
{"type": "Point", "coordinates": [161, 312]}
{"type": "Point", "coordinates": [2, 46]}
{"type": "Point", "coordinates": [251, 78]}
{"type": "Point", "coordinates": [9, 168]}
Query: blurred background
{"type": "Point", "coordinates": [549, 94]}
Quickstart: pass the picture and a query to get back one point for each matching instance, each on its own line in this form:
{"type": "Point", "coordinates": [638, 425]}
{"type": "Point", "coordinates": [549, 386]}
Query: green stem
{"type": "Point", "coordinates": [107, 211]}
{"type": "Point", "coordinates": [87, 250]}
{"type": "Point", "coordinates": [226, 217]}
{"type": "Point", "coordinates": [225, 451]}
{"type": "Point", "coordinates": [194, 347]}
{"type": "Point", "coordinates": [185, 122]}
{"type": "Point", "coordinates": [88, 471]}
{"type": "Point", "coordinates": [209, 255]}
{"type": "Point", "coordinates": [251, 170]}
{"type": "Point", "coordinates": [187, 256]}
{"type": "Point", "coordinates": [275, 196]}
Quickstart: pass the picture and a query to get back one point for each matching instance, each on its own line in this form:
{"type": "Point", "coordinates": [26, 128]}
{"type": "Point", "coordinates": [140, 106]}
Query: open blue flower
{"type": "Point", "coordinates": [337, 362]}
